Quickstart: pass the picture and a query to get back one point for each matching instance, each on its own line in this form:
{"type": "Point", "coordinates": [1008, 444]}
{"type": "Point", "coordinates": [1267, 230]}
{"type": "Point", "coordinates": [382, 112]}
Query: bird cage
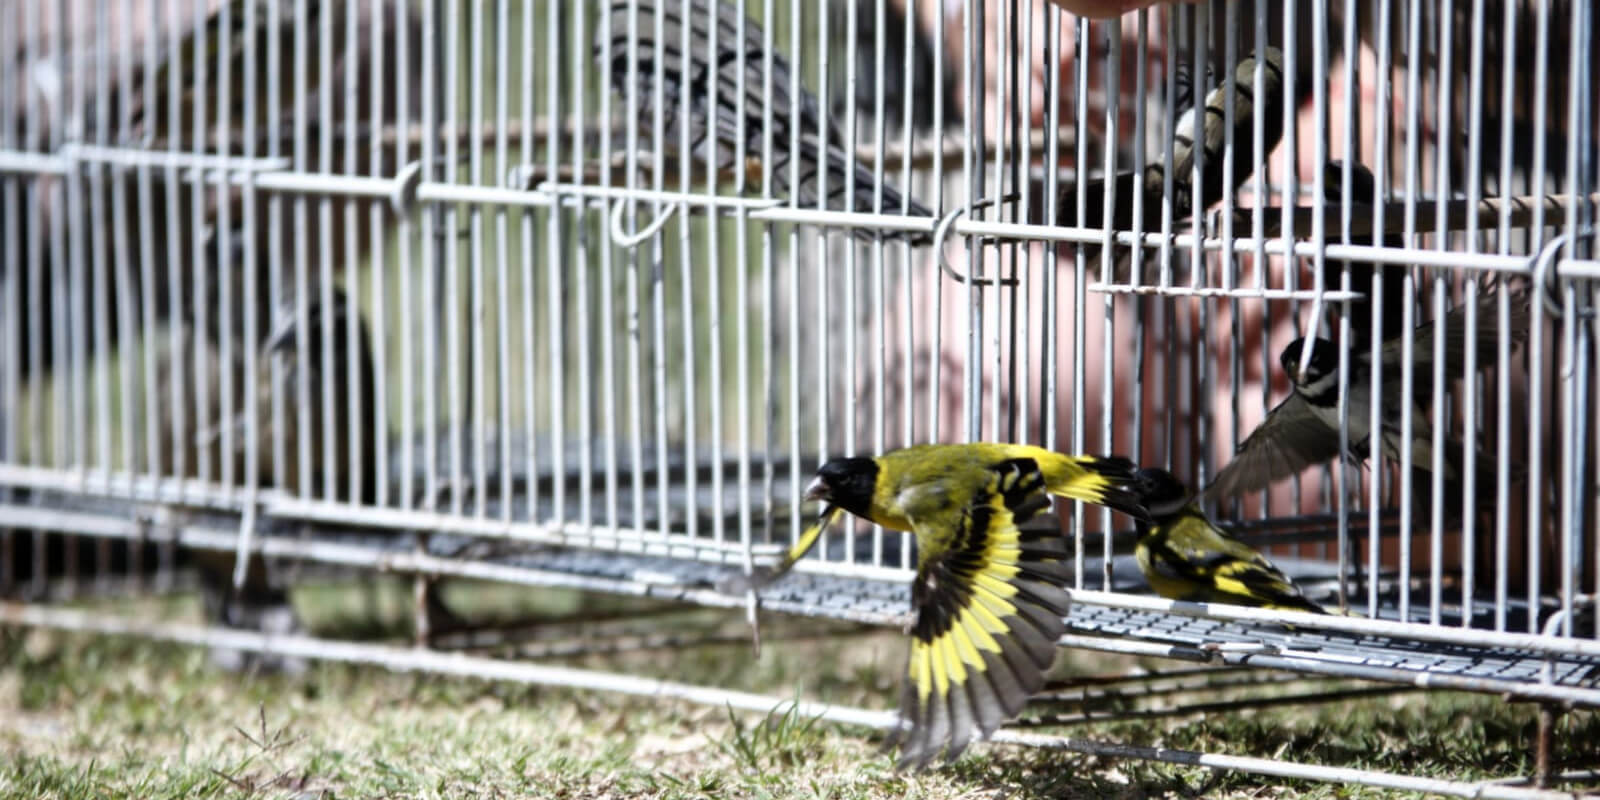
{"type": "Point", "coordinates": [581, 295]}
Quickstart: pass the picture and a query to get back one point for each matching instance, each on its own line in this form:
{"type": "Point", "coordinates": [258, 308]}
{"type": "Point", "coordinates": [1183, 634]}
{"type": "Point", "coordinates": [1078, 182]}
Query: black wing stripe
{"type": "Point", "coordinates": [961, 713]}
{"type": "Point", "coordinates": [1176, 565]}
{"type": "Point", "coordinates": [990, 694]}
{"type": "Point", "coordinates": [937, 730]}
{"type": "Point", "coordinates": [1054, 573]}
{"type": "Point", "coordinates": [989, 614]}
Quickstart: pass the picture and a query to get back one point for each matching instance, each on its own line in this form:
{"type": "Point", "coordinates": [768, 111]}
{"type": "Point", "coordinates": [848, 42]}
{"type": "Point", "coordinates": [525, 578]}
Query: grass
{"type": "Point", "coordinates": [103, 717]}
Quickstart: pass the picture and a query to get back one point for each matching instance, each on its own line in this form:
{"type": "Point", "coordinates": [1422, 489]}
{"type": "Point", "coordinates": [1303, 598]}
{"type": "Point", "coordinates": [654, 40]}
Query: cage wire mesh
{"type": "Point", "coordinates": [581, 294]}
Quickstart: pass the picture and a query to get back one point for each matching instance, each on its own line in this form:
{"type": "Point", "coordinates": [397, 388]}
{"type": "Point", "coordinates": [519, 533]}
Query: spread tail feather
{"type": "Point", "coordinates": [1110, 481]}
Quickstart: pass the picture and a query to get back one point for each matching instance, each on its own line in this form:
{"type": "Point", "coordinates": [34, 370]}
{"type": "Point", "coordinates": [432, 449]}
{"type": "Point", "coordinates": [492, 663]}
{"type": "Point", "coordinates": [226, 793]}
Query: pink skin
{"type": "Point", "coordinates": [996, 19]}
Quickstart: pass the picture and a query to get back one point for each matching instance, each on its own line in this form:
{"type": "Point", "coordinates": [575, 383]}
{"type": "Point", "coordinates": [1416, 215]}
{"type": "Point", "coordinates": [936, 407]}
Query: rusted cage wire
{"type": "Point", "coordinates": [580, 295]}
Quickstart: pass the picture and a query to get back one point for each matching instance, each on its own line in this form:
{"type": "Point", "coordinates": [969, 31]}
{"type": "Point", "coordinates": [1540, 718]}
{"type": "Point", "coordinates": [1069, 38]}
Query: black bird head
{"type": "Point", "coordinates": [847, 483]}
{"type": "Point", "coordinates": [1162, 493]}
{"type": "Point", "coordinates": [1363, 184]}
{"type": "Point", "coordinates": [1322, 365]}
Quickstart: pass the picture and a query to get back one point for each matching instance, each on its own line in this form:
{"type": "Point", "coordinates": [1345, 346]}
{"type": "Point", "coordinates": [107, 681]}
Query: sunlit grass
{"type": "Point", "coordinates": [114, 717]}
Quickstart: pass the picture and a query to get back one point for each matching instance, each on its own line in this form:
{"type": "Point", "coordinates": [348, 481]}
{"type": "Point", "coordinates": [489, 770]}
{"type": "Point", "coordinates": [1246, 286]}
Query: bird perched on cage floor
{"type": "Point", "coordinates": [989, 598]}
{"type": "Point", "coordinates": [1149, 183]}
{"type": "Point", "coordinates": [1186, 557]}
{"type": "Point", "coordinates": [262, 603]}
{"type": "Point", "coordinates": [1303, 429]}
{"type": "Point", "coordinates": [822, 162]}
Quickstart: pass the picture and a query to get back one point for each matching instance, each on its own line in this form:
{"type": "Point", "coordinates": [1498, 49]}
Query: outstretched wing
{"type": "Point", "coordinates": [989, 608]}
{"type": "Point", "coordinates": [1486, 338]}
{"type": "Point", "coordinates": [1291, 438]}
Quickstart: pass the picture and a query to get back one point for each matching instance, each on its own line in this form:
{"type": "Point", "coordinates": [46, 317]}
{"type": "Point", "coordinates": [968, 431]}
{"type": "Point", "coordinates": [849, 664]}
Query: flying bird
{"type": "Point", "coordinates": [989, 597]}
{"type": "Point", "coordinates": [1303, 429]}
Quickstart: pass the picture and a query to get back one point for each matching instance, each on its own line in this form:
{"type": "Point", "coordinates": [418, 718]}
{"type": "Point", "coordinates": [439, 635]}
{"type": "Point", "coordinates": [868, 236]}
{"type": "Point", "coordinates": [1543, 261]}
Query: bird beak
{"type": "Point", "coordinates": [817, 489]}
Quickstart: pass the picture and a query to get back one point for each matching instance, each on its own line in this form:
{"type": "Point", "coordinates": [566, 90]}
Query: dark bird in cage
{"type": "Point", "coordinates": [1303, 430]}
{"type": "Point", "coordinates": [339, 370]}
{"type": "Point", "coordinates": [988, 598]}
{"type": "Point", "coordinates": [190, 424]}
{"type": "Point", "coordinates": [1185, 557]}
{"type": "Point", "coordinates": [338, 472]}
{"type": "Point", "coordinates": [904, 81]}
{"type": "Point", "coordinates": [1510, 100]}
{"type": "Point", "coordinates": [1149, 183]}
{"type": "Point", "coordinates": [687, 76]}
{"type": "Point", "coordinates": [156, 108]}
{"type": "Point", "coordinates": [1392, 301]}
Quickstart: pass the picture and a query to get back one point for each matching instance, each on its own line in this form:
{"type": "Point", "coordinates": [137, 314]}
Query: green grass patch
{"type": "Point", "coordinates": [112, 717]}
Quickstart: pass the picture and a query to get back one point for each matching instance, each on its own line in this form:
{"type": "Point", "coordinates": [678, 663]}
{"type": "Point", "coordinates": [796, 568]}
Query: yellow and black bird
{"type": "Point", "coordinates": [989, 596]}
{"type": "Point", "coordinates": [1185, 557]}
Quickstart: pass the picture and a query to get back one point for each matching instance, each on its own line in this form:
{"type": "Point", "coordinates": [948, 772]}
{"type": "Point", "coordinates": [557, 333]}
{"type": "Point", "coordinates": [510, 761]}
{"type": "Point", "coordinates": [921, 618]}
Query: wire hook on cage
{"type": "Point", "coordinates": [632, 240]}
{"type": "Point", "coordinates": [942, 232]}
{"type": "Point", "coordinates": [1544, 272]}
{"type": "Point", "coordinates": [407, 182]}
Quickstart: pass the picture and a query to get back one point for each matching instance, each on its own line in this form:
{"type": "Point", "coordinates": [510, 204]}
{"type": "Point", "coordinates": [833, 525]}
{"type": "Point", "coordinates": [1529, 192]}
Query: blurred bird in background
{"type": "Point", "coordinates": [164, 91]}
{"type": "Point", "coordinates": [195, 433]}
{"type": "Point", "coordinates": [1185, 557]}
{"type": "Point", "coordinates": [199, 434]}
{"type": "Point", "coordinates": [182, 79]}
{"type": "Point", "coordinates": [701, 109]}
{"type": "Point", "coordinates": [1149, 184]}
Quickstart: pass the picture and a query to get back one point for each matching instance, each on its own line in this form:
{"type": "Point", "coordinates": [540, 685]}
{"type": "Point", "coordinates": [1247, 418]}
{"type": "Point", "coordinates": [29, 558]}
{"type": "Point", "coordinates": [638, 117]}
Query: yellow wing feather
{"type": "Point", "coordinates": [988, 596]}
{"type": "Point", "coordinates": [985, 640]}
